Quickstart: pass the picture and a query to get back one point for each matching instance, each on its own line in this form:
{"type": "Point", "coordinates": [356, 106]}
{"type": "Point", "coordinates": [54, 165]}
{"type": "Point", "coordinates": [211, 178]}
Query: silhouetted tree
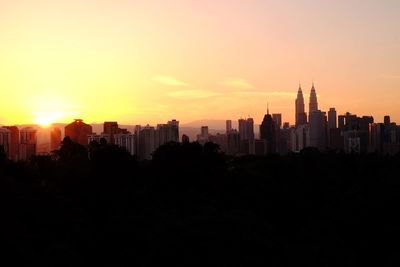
{"type": "Point", "coordinates": [71, 151]}
{"type": "Point", "coordinates": [192, 206]}
{"type": "Point", "coordinates": [3, 156]}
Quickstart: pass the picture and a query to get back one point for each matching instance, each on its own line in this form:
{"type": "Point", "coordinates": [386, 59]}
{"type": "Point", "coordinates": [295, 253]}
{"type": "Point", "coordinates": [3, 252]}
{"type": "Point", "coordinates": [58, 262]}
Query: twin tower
{"type": "Point", "coordinates": [301, 115]}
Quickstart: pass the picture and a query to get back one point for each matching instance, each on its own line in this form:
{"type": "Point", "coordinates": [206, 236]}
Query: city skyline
{"type": "Point", "coordinates": [313, 128]}
{"type": "Point", "coordinates": [139, 62]}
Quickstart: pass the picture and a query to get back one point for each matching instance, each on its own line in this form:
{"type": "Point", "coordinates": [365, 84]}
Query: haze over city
{"type": "Point", "coordinates": [150, 61]}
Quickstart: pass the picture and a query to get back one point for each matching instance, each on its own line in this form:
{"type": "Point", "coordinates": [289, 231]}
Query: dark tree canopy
{"type": "Point", "coordinates": [193, 206]}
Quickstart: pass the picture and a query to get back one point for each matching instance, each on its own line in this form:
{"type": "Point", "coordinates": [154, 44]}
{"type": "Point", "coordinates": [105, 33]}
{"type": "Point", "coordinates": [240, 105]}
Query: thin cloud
{"type": "Point", "coordinates": [238, 83]}
{"type": "Point", "coordinates": [192, 94]}
{"type": "Point", "coordinates": [168, 80]}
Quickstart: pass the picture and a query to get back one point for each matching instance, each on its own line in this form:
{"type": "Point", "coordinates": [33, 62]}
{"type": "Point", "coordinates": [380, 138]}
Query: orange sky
{"type": "Point", "coordinates": [151, 61]}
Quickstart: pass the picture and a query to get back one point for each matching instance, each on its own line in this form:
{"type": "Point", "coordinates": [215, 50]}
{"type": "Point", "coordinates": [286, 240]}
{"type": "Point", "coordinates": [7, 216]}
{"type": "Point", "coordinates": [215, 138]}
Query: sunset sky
{"type": "Point", "coordinates": [150, 61]}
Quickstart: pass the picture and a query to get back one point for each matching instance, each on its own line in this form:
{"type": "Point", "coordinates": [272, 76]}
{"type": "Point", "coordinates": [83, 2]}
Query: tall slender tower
{"type": "Point", "coordinates": [268, 132]}
{"type": "Point", "coordinates": [313, 101]}
{"type": "Point", "coordinates": [300, 116]}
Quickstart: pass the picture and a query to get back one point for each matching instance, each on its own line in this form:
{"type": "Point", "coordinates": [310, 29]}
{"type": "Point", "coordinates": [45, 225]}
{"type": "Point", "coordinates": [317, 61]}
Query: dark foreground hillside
{"type": "Point", "coordinates": [191, 206]}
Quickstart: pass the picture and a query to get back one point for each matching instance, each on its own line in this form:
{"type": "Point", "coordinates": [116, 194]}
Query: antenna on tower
{"type": "Point", "coordinates": [267, 108]}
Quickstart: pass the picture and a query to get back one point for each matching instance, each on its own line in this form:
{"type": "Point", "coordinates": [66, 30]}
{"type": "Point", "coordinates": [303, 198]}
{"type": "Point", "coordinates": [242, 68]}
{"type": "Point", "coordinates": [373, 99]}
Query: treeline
{"type": "Point", "coordinates": [193, 206]}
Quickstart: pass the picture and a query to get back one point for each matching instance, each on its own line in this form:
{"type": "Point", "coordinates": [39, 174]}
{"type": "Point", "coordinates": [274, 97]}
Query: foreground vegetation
{"type": "Point", "coordinates": [193, 206]}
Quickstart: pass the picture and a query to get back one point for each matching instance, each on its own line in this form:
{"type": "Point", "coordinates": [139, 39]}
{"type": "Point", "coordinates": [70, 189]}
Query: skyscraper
{"type": "Point", "coordinates": [233, 142]}
{"type": "Point", "coordinates": [55, 138]}
{"type": "Point", "coordinates": [111, 128]}
{"type": "Point", "coordinates": [318, 129]}
{"type": "Point", "coordinates": [78, 131]}
{"type": "Point", "coordinates": [246, 132]}
{"type": "Point", "coordinates": [341, 122]}
{"type": "Point", "coordinates": [277, 117]}
{"type": "Point", "coordinates": [268, 133]}
{"type": "Point", "coordinates": [386, 120]}
{"type": "Point", "coordinates": [228, 126]}
{"type": "Point", "coordinates": [203, 137]}
{"type": "Point", "coordinates": [28, 141]}
{"type": "Point", "coordinates": [167, 133]}
{"type": "Point", "coordinates": [5, 140]}
{"type": "Point", "coordinates": [146, 142]}
{"type": "Point", "coordinates": [246, 129]}
{"type": "Point", "coordinates": [332, 119]}
{"type": "Point", "coordinates": [300, 116]}
{"type": "Point", "coordinates": [126, 141]}
{"type": "Point", "coordinates": [313, 105]}
{"type": "Point", "coordinates": [14, 144]}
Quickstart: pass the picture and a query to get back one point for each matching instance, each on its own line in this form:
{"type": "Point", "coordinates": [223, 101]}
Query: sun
{"type": "Point", "coordinates": [45, 119]}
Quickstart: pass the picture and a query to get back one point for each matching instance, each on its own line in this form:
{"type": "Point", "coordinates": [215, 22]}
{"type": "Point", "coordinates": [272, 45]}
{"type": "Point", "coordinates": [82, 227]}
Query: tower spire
{"type": "Point", "coordinates": [267, 108]}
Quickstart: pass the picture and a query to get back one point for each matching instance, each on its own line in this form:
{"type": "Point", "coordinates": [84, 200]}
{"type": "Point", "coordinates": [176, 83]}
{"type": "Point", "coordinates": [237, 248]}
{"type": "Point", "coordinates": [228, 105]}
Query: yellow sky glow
{"type": "Point", "coordinates": [150, 61]}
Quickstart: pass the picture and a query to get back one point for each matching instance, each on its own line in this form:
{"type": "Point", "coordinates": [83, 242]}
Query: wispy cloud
{"type": "Point", "coordinates": [192, 94]}
{"type": "Point", "coordinates": [238, 83]}
{"type": "Point", "coordinates": [262, 93]}
{"type": "Point", "coordinates": [168, 80]}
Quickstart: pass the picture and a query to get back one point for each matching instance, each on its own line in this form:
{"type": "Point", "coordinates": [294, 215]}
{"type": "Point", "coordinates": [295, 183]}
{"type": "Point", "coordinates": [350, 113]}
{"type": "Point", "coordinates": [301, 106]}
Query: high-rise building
{"type": "Point", "coordinates": [146, 142]}
{"type": "Point", "coordinates": [313, 105]}
{"type": "Point", "coordinates": [333, 132]}
{"type": "Point", "coordinates": [386, 120]}
{"type": "Point", "coordinates": [268, 133]}
{"type": "Point", "coordinates": [228, 126]}
{"type": "Point", "coordinates": [341, 122]}
{"type": "Point", "coordinates": [221, 140]}
{"type": "Point", "coordinates": [202, 138]}
{"type": "Point", "coordinates": [246, 133]}
{"type": "Point", "coordinates": [173, 130]}
{"type": "Point", "coordinates": [14, 142]}
{"type": "Point", "coordinates": [111, 128]}
{"type": "Point", "coordinates": [277, 117]}
{"type": "Point", "coordinates": [246, 129]}
{"type": "Point", "coordinates": [126, 141]}
{"type": "Point", "coordinates": [335, 140]}
{"type": "Point", "coordinates": [55, 138]}
{"type": "Point", "coordinates": [167, 133]}
{"type": "Point", "coordinates": [318, 130]}
{"type": "Point", "coordinates": [351, 122]}
{"type": "Point", "coordinates": [332, 118]}
{"type": "Point", "coordinates": [284, 140]}
{"type": "Point", "coordinates": [300, 116]}
{"type": "Point", "coordinates": [28, 142]}
{"type": "Point", "coordinates": [78, 132]}
{"type": "Point", "coordinates": [300, 137]}
{"type": "Point", "coordinates": [5, 140]}
{"type": "Point", "coordinates": [233, 142]}
{"type": "Point", "coordinates": [260, 147]}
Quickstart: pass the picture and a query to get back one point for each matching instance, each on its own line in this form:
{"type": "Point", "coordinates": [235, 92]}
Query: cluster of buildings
{"type": "Point", "coordinates": [142, 142]}
{"type": "Point", "coordinates": [317, 129]}
{"type": "Point", "coordinates": [23, 144]}
{"type": "Point", "coordinates": [18, 144]}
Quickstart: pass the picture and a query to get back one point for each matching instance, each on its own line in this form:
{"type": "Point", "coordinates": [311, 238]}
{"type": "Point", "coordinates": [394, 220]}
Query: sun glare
{"type": "Point", "coordinates": [46, 119]}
